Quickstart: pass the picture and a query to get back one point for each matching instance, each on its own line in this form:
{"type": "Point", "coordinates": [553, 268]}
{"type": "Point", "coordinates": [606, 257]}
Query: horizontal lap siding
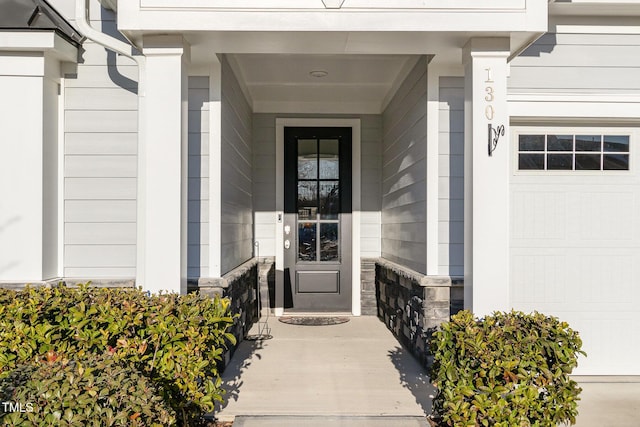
{"type": "Point", "coordinates": [371, 186]}
{"type": "Point", "coordinates": [237, 200]}
{"type": "Point", "coordinates": [100, 161]}
{"type": "Point", "coordinates": [403, 185]}
{"type": "Point", "coordinates": [264, 182]}
{"type": "Point", "coordinates": [451, 177]}
{"type": "Point", "coordinates": [198, 184]}
{"type": "Point", "coordinates": [579, 63]}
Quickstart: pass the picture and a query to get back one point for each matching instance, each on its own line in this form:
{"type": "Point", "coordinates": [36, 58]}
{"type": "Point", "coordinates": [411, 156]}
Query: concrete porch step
{"type": "Point", "coordinates": [328, 421]}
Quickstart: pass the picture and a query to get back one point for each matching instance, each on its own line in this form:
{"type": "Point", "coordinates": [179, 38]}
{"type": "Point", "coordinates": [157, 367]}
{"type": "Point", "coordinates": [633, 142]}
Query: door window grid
{"type": "Point", "coordinates": [318, 201]}
{"type": "Point", "coordinates": [578, 152]}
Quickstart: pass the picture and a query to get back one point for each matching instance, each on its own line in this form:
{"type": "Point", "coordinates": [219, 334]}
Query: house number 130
{"type": "Point", "coordinates": [489, 111]}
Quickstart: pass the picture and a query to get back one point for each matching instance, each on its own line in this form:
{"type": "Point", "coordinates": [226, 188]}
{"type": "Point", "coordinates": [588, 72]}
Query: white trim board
{"type": "Point", "coordinates": [354, 124]}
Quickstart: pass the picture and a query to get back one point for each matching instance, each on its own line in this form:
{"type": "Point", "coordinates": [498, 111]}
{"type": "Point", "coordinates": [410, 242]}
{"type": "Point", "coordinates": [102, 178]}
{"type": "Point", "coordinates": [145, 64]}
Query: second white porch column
{"type": "Point", "coordinates": [486, 184]}
{"type": "Point", "coordinates": [163, 167]}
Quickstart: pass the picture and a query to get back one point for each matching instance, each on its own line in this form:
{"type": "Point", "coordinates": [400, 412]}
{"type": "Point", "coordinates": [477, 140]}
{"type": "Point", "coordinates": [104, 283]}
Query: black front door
{"type": "Point", "coordinates": [317, 222]}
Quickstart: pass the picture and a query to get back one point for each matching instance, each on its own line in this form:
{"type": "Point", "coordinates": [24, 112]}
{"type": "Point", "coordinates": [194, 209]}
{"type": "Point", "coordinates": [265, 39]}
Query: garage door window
{"type": "Point", "coordinates": [579, 152]}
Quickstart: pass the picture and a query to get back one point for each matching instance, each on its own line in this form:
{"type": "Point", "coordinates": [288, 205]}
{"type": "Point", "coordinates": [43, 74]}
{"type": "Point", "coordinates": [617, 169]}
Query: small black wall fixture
{"type": "Point", "coordinates": [493, 135]}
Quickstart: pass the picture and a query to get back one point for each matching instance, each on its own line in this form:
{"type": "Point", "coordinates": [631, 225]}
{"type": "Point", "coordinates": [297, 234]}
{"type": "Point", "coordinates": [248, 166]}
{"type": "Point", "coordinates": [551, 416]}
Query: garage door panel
{"type": "Point", "coordinates": [606, 279]}
{"type": "Point", "coordinates": [574, 218]}
{"type": "Point", "coordinates": [605, 216]}
{"type": "Point", "coordinates": [586, 278]}
{"type": "Point", "coordinates": [608, 340]}
{"type": "Point", "coordinates": [538, 216]}
{"type": "Point", "coordinates": [575, 254]}
{"type": "Point", "coordinates": [538, 279]}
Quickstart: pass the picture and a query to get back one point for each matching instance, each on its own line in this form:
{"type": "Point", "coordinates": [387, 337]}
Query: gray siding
{"type": "Point", "coordinates": [404, 172]}
{"type": "Point", "coordinates": [100, 112]}
{"type": "Point", "coordinates": [237, 205]}
{"type": "Point", "coordinates": [264, 182]}
{"type": "Point", "coordinates": [371, 186]}
{"type": "Point", "coordinates": [264, 179]}
{"type": "Point", "coordinates": [451, 177]}
{"type": "Point", "coordinates": [579, 63]}
{"type": "Point", "coordinates": [50, 181]}
{"type": "Point", "coordinates": [198, 172]}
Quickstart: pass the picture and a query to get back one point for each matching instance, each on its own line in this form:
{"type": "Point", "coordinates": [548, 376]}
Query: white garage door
{"type": "Point", "coordinates": [575, 237]}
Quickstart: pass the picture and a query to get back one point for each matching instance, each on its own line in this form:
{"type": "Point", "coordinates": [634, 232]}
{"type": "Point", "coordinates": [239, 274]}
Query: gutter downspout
{"type": "Point", "coordinates": [119, 47]}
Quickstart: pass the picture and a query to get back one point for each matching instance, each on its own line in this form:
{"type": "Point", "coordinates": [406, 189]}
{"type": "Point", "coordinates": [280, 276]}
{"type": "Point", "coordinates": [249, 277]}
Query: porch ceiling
{"type": "Point", "coordinates": [352, 84]}
{"type": "Point", "coordinates": [364, 68]}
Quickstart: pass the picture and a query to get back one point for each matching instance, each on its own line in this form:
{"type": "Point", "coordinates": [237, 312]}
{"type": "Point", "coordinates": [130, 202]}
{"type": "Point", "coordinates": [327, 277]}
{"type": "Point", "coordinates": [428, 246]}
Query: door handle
{"type": "Point", "coordinates": [287, 244]}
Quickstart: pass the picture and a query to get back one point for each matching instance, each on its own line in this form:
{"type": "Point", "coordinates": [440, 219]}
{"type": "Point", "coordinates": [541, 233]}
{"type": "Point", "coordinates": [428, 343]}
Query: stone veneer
{"type": "Point", "coordinates": [240, 286]}
{"type": "Point", "coordinates": [368, 300]}
{"type": "Point", "coordinates": [411, 304]}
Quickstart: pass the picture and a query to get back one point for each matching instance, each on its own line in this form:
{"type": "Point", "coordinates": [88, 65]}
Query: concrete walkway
{"type": "Point", "coordinates": [353, 371]}
{"type": "Point", "coordinates": [609, 402]}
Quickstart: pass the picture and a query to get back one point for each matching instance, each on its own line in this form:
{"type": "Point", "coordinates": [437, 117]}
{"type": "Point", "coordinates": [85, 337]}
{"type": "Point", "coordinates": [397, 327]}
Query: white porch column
{"type": "Point", "coordinates": [215, 168]}
{"type": "Point", "coordinates": [486, 186]}
{"type": "Point", "coordinates": [29, 170]}
{"type": "Point", "coordinates": [162, 210]}
{"type": "Point", "coordinates": [433, 172]}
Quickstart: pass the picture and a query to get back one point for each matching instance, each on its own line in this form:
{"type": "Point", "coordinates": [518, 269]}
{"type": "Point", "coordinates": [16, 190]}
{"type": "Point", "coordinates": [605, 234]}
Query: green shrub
{"type": "Point", "coordinates": [98, 391]}
{"type": "Point", "coordinates": [505, 370]}
{"type": "Point", "coordinates": [175, 341]}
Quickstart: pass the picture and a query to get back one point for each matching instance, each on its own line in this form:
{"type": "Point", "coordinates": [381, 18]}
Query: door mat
{"type": "Point", "coordinates": [313, 321]}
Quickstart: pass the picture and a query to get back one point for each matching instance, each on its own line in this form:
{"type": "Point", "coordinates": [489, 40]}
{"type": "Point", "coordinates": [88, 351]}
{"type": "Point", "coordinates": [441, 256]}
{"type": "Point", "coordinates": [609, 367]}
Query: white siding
{"type": "Point", "coordinates": [198, 171]}
{"type": "Point", "coordinates": [404, 172]}
{"type": "Point", "coordinates": [578, 63]}
{"type": "Point", "coordinates": [264, 180]}
{"type": "Point", "coordinates": [100, 170]}
{"type": "Point", "coordinates": [237, 204]}
{"type": "Point", "coordinates": [451, 177]}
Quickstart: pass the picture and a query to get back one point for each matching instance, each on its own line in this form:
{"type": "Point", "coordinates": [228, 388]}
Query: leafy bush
{"type": "Point", "coordinates": [175, 341]}
{"type": "Point", "coordinates": [505, 370]}
{"type": "Point", "coordinates": [98, 391]}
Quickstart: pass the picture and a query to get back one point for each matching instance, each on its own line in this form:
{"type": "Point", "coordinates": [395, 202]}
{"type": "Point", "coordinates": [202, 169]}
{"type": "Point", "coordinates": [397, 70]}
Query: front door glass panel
{"type": "Point", "coordinates": [318, 201]}
{"type": "Point", "coordinates": [307, 247]}
{"type": "Point", "coordinates": [329, 199]}
{"type": "Point", "coordinates": [329, 242]}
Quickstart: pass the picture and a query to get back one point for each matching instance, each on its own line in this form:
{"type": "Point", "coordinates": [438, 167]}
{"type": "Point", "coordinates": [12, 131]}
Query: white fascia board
{"type": "Point", "coordinates": [285, 107]}
{"type": "Point", "coordinates": [346, 4]}
{"type": "Point", "coordinates": [185, 20]}
{"type": "Point", "coordinates": [575, 106]}
{"type": "Point", "coordinates": [595, 8]}
{"type": "Point", "coordinates": [289, 15]}
{"type": "Point", "coordinates": [38, 41]}
{"type": "Point", "coordinates": [595, 29]}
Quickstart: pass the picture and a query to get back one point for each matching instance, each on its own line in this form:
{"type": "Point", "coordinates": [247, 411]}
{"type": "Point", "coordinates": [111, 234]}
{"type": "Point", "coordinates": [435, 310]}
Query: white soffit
{"type": "Point", "coordinates": [353, 83]}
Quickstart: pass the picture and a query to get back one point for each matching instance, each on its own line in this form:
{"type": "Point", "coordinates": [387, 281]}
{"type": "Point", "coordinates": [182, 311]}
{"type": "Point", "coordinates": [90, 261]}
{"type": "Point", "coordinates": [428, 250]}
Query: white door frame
{"type": "Point", "coordinates": [354, 124]}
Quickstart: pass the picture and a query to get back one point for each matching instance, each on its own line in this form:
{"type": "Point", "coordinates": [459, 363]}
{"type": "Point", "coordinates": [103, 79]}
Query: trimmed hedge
{"type": "Point", "coordinates": [174, 341]}
{"type": "Point", "coordinates": [505, 370]}
{"type": "Point", "coordinates": [97, 392]}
